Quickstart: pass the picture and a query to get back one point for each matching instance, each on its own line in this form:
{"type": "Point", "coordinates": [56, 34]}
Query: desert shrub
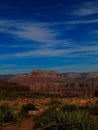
{"type": "Point", "coordinates": [84, 108]}
{"type": "Point", "coordinates": [68, 107]}
{"type": "Point", "coordinates": [46, 117]}
{"type": "Point", "coordinates": [94, 110]}
{"type": "Point", "coordinates": [58, 116]}
{"type": "Point", "coordinates": [7, 114]}
{"type": "Point", "coordinates": [26, 108]}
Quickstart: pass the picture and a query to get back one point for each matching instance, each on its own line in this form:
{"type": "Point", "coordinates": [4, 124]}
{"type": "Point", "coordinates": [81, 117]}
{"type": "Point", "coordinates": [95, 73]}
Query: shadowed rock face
{"type": "Point", "coordinates": [6, 77]}
{"type": "Point", "coordinates": [52, 82]}
{"type": "Point", "coordinates": [4, 85]}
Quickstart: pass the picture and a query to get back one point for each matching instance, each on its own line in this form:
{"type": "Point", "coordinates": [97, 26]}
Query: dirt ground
{"type": "Point", "coordinates": [26, 124]}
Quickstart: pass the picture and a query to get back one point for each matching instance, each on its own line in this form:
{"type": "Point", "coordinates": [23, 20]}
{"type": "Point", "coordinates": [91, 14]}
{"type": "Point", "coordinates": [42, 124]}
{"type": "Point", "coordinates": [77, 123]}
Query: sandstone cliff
{"type": "Point", "coordinates": [52, 82]}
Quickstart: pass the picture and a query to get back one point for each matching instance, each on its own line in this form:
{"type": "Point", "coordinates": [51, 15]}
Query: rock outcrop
{"type": "Point", "coordinates": [52, 82]}
{"type": "Point", "coordinates": [72, 76]}
{"type": "Point", "coordinates": [38, 76]}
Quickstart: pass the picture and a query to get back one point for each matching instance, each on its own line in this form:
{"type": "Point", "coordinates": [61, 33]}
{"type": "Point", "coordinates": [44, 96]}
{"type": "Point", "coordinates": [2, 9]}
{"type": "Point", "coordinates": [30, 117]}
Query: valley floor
{"type": "Point", "coordinates": [42, 105]}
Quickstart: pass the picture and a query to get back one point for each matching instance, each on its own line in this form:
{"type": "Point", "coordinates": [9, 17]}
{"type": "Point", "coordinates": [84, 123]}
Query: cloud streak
{"type": "Point", "coordinates": [86, 9]}
{"type": "Point", "coordinates": [45, 40]}
{"type": "Point", "coordinates": [57, 32]}
{"type": "Point", "coordinates": [84, 51]}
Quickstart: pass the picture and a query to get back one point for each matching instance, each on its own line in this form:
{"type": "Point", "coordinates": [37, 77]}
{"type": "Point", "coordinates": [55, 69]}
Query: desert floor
{"type": "Point", "coordinates": [41, 104]}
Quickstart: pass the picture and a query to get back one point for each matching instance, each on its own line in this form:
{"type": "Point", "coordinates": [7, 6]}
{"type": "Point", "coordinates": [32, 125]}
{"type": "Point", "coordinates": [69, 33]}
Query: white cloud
{"type": "Point", "coordinates": [34, 31]}
{"type": "Point", "coordinates": [87, 8]}
{"type": "Point", "coordinates": [91, 21]}
{"type": "Point", "coordinates": [48, 45]}
{"type": "Point", "coordinates": [78, 51]}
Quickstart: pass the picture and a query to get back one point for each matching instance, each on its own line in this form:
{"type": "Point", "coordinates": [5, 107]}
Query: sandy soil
{"type": "Point", "coordinates": [26, 124]}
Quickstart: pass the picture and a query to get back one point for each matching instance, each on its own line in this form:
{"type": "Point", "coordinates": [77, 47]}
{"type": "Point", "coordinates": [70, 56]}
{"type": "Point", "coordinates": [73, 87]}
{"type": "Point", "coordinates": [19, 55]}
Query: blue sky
{"type": "Point", "coordinates": [59, 35]}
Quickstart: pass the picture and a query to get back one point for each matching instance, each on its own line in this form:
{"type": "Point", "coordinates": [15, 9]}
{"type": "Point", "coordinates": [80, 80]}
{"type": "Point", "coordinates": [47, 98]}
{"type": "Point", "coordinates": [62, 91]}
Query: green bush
{"type": "Point", "coordinates": [58, 116]}
{"type": "Point", "coordinates": [26, 108]}
{"type": "Point", "coordinates": [94, 110]}
{"type": "Point", "coordinates": [7, 114]}
{"type": "Point", "coordinates": [46, 117]}
{"type": "Point", "coordinates": [69, 107]}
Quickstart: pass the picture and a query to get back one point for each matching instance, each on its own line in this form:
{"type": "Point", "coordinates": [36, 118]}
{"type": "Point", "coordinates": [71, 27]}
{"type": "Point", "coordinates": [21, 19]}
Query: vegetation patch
{"type": "Point", "coordinates": [68, 114]}
{"type": "Point", "coordinates": [26, 108]}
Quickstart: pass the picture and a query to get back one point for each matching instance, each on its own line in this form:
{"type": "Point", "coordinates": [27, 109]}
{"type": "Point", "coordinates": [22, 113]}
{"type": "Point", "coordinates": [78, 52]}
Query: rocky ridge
{"type": "Point", "coordinates": [52, 82]}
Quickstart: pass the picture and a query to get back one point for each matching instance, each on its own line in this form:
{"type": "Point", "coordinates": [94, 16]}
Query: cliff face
{"type": "Point", "coordinates": [52, 82]}
{"type": "Point", "coordinates": [38, 76]}
{"type": "Point", "coordinates": [4, 85]}
{"type": "Point", "coordinates": [91, 76]}
{"type": "Point", "coordinates": [42, 76]}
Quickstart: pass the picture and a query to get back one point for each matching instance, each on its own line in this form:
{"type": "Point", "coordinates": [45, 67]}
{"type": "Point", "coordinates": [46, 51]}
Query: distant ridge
{"type": "Point", "coordinates": [89, 76]}
{"type": "Point", "coordinates": [51, 82]}
{"type": "Point", "coordinates": [38, 76]}
{"type": "Point", "coordinates": [47, 75]}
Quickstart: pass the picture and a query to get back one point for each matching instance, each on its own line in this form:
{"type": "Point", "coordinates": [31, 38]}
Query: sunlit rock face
{"type": "Point", "coordinates": [52, 82]}
{"type": "Point", "coordinates": [39, 76]}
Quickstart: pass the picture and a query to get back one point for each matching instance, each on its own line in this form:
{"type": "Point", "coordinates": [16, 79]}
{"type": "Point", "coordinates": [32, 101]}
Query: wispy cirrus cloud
{"type": "Point", "coordinates": [27, 30]}
{"type": "Point", "coordinates": [39, 31]}
{"type": "Point", "coordinates": [86, 8]}
{"type": "Point", "coordinates": [78, 51]}
{"type": "Point", "coordinates": [75, 22]}
{"type": "Point", "coordinates": [44, 39]}
{"type": "Point", "coordinates": [42, 35]}
{"type": "Point", "coordinates": [33, 31]}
